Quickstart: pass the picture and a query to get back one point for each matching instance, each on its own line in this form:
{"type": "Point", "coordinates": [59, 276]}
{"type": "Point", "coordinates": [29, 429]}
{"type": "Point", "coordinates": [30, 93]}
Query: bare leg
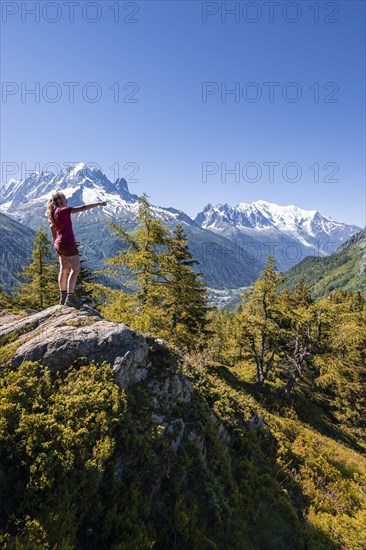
{"type": "Point", "coordinates": [75, 270]}
{"type": "Point", "coordinates": [64, 272]}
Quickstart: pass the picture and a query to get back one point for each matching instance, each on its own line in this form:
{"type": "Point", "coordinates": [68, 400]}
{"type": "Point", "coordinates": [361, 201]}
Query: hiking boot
{"type": "Point", "coordinates": [62, 299]}
{"type": "Point", "coordinates": [73, 301]}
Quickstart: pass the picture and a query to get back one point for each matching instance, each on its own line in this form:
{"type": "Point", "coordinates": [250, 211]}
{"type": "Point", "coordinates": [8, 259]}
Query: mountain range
{"type": "Point", "coordinates": [230, 243]}
{"type": "Point", "coordinates": [223, 264]}
{"type": "Point", "coordinates": [289, 232]}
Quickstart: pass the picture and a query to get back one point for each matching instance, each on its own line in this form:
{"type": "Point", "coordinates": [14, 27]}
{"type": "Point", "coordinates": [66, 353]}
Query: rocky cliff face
{"type": "Point", "coordinates": [60, 336]}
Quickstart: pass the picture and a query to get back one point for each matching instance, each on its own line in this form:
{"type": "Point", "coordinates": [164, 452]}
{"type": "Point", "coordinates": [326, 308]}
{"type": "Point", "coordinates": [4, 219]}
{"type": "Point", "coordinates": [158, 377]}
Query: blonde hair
{"type": "Point", "coordinates": [54, 202]}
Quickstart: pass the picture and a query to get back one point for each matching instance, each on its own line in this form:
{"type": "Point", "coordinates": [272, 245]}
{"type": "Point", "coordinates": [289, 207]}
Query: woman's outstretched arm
{"type": "Point", "coordinates": [76, 209]}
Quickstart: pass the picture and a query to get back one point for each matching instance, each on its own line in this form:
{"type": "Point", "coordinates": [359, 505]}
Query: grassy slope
{"type": "Point", "coordinates": [300, 458]}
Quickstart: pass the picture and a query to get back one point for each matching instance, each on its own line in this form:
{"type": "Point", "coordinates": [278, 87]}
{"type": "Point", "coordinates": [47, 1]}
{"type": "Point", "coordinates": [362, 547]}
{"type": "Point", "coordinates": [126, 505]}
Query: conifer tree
{"type": "Point", "coordinates": [341, 353]}
{"type": "Point", "coordinates": [6, 301]}
{"type": "Point", "coordinates": [296, 321]}
{"type": "Point", "coordinates": [170, 300]}
{"type": "Point", "coordinates": [224, 340]}
{"type": "Point", "coordinates": [302, 294]}
{"type": "Point", "coordinates": [260, 321]}
{"type": "Point", "coordinates": [143, 254]}
{"type": "Point", "coordinates": [184, 292]}
{"type": "Point", "coordinates": [41, 287]}
{"type": "Point", "coordinates": [142, 261]}
{"type": "Point", "coordinates": [296, 340]}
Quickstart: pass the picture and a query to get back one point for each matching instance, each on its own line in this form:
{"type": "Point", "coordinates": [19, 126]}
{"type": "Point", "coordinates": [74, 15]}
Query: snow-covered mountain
{"type": "Point", "coordinates": [290, 232]}
{"type": "Point", "coordinates": [25, 200]}
{"type": "Point", "coordinates": [232, 244]}
{"type": "Point", "coordinates": [80, 184]}
{"type": "Point", "coordinates": [223, 264]}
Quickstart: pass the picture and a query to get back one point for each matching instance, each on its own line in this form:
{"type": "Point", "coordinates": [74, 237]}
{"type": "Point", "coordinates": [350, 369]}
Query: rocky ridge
{"type": "Point", "coordinates": [60, 337]}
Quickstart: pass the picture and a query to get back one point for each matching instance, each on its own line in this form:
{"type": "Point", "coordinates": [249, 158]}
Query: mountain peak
{"type": "Point", "coordinates": [74, 174]}
{"type": "Point", "coordinates": [74, 167]}
{"type": "Point", "coordinates": [262, 202]}
{"type": "Point", "coordinates": [81, 183]}
{"type": "Point", "coordinates": [121, 187]}
{"type": "Point", "coordinates": [290, 231]}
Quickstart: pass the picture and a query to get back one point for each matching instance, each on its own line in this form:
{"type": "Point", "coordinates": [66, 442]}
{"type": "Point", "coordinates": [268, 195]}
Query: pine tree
{"type": "Point", "coordinates": [184, 292]}
{"type": "Point", "coordinates": [41, 287]}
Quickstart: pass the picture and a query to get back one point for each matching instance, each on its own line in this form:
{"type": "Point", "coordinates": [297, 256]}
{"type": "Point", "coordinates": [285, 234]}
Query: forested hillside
{"type": "Point", "coordinates": [345, 268]}
{"type": "Point", "coordinates": [15, 250]}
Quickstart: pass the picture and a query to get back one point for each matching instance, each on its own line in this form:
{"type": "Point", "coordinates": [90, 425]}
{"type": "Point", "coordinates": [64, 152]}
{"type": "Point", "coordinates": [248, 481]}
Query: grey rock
{"type": "Point", "coordinates": [59, 335]}
{"type": "Point", "coordinates": [221, 430]}
{"type": "Point", "coordinates": [255, 423]}
{"type": "Point", "coordinates": [175, 431]}
{"type": "Point", "coordinates": [158, 418]}
{"type": "Point", "coordinates": [172, 386]}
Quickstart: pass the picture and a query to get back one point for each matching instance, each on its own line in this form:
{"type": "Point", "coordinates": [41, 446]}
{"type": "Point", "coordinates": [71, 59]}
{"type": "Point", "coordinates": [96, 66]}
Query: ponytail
{"type": "Point", "coordinates": [54, 202]}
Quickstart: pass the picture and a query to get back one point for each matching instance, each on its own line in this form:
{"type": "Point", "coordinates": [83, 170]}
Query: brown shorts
{"type": "Point", "coordinates": [66, 249]}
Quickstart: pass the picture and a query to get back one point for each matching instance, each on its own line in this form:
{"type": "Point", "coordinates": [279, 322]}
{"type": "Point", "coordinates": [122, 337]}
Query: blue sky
{"type": "Point", "coordinates": [181, 133]}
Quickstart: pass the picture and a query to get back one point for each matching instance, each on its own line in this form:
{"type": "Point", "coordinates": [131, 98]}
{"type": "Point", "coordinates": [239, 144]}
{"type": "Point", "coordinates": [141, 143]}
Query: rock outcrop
{"type": "Point", "coordinates": [59, 336]}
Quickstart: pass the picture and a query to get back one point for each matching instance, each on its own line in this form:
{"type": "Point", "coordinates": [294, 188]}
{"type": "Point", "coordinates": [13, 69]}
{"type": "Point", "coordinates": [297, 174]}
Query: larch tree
{"type": "Point", "coordinates": [40, 289]}
{"type": "Point", "coordinates": [341, 356]}
{"type": "Point", "coordinates": [259, 335]}
{"type": "Point", "coordinates": [170, 298]}
{"type": "Point", "coordinates": [223, 343]}
{"type": "Point", "coordinates": [6, 301]}
{"type": "Point", "coordinates": [141, 261]}
{"type": "Point", "coordinates": [297, 324]}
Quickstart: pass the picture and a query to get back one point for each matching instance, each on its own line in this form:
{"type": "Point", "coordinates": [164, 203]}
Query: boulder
{"type": "Point", "coordinates": [59, 335]}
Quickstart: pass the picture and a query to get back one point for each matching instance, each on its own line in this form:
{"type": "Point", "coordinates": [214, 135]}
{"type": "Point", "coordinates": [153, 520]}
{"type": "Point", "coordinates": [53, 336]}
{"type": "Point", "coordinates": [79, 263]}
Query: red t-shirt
{"type": "Point", "coordinates": [65, 233]}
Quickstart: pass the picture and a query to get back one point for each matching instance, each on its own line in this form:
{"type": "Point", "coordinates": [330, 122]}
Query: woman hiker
{"type": "Point", "coordinates": [59, 218]}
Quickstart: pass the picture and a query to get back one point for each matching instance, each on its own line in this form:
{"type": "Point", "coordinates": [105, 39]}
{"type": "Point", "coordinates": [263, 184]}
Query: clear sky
{"type": "Point", "coordinates": [297, 70]}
